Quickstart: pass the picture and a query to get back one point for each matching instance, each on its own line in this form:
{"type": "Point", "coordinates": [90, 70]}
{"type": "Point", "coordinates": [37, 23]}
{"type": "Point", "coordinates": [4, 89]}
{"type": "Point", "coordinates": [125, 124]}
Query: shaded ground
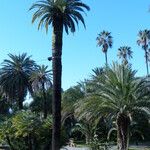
{"type": "Point", "coordinates": [74, 148]}
{"type": "Point", "coordinates": [112, 148]}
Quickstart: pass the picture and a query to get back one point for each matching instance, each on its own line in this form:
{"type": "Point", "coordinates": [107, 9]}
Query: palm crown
{"type": "Point", "coordinates": [125, 53]}
{"type": "Point", "coordinates": [144, 41]}
{"type": "Point", "coordinates": [40, 76]}
{"type": "Point", "coordinates": [119, 95]}
{"type": "Point", "coordinates": [143, 38]}
{"type": "Point", "coordinates": [118, 90]}
{"type": "Point", "coordinates": [14, 75]}
{"type": "Point", "coordinates": [67, 10]}
{"type": "Point", "coordinates": [104, 39]}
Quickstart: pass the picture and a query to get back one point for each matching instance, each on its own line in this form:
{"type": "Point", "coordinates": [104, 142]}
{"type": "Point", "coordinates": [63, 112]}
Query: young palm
{"type": "Point", "coordinates": [59, 13]}
{"type": "Point", "coordinates": [125, 53]}
{"type": "Point", "coordinates": [105, 41]}
{"type": "Point", "coordinates": [144, 41]}
{"type": "Point", "coordinates": [41, 80]}
{"type": "Point", "coordinates": [14, 76]}
{"type": "Point", "coordinates": [119, 95]}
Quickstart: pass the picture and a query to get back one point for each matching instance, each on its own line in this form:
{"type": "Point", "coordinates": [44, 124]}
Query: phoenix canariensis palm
{"type": "Point", "coordinates": [41, 80]}
{"type": "Point", "coordinates": [144, 41]}
{"type": "Point", "coordinates": [14, 76]}
{"type": "Point", "coordinates": [125, 53]}
{"type": "Point", "coordinates": [119, 95]}
{"type": "Point", "coordinates": [59, 13]}
{"type": "Point", "coordinates": [104, 40]}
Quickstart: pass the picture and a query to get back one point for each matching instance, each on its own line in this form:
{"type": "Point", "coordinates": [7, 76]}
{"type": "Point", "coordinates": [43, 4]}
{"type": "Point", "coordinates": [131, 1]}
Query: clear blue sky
{"type": "Point", "coordinates": [80, 53]}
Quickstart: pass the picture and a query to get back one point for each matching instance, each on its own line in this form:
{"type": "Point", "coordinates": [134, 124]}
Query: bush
{"type": "Point", "coordinates": [26, 130]}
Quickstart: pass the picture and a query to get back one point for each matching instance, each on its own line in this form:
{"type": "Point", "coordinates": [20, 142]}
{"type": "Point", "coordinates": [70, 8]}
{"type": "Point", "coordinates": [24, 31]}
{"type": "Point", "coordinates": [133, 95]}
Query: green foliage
{"type": "Point", "coordinates": [37, 105]}
{"type": "Point", "coordinates": [67, 10]}
{"type": "Point", "coordinates": [125, 53]}
{"type": "Point", "coordinates": [95, 144]}
{"type": "Point", "coordinates": [41, 78]}
{"type": "Point", "coordinates": [14, 77]}
{"type": "Point", "coordinates": [26, 130]}
{"type": "Point", "coordinates": [115, 91]}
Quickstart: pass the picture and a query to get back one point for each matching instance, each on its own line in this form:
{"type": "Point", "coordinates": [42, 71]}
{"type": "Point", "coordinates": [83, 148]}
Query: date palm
{"type": "Point", "coordinates": [14, 76]}
{"type": "Point", "coordinates": [104, 40]}
{"type": "Point", "coordinates": [41, 80]}
{"type": "Point", "coordinates": [120, 95]}
{"type": "Point", "coordinates": [125, 53]}
{"type": "Point", "coordinates": [144, 41]}
{"type": "Point", "coordinates": [59, 14]}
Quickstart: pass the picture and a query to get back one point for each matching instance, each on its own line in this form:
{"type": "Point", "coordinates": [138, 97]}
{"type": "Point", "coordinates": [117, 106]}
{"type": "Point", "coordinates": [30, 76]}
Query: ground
{"type": "Point", "coordinates": [132, 148]}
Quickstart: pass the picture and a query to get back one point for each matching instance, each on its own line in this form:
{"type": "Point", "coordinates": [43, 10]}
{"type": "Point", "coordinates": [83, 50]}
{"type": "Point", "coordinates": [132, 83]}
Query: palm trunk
{"type": "Point", "coordinates": [30, 141]}
{"type": "Point", "coordinates": [88, 139]}
{"type": "Point", "coordinates": [146, 62]}
{"type": "Point", "coordinates": [45, 101]}
{"type": "Point", "coordinates": [123, 122]}
{"type": "Point", "coordinates": [30, 89]}
{"type": "Point", "coordinates": [9, 142]}
{"type": "Point", "coordinates": [20, 103]}
{"type": "Point", "coordinates": [57, 72]}
{"type": "Point", "coordinates": [106, 58]}
{"type": "Point", "coordinates": [146, 57]}
{"type": "Point", "coordinates": [20, 97]}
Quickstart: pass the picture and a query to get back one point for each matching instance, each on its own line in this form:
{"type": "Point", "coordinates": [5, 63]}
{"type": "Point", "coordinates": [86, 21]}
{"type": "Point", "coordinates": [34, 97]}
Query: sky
{"type": "Point", "coordinates": [123, 18]}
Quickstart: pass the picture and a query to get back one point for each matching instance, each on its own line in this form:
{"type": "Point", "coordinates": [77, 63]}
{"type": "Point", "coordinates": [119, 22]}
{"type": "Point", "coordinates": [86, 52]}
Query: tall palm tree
{"type": "Point", "coordinates": [144, 41]}
{"type": "Point", "coordinates": [119, 95]}
{"type": "Point", "coordinates": [41, 80]}
{"type": "Point", "coordinates": [125, 53]}
{"type": "Point", "coordinates": [14, 76]}
{"type": "Point", "coordinates": [104, 40]}
{"type": "Point", "coordinates": [59, 13]}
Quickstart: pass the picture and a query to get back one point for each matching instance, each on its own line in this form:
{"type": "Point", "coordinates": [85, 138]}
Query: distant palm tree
{"type": "Point", "coordinates": [120, 95]}
{"type": "Point", "coordinates": [144, 41]}
{"type": "Point", "coordinates": [59, 13]}
{"type": "Point", "coordinates": [105, 41]}
{"type": "Point", "coordinates": [41, 80]}
{"type": "Point", "coordinates": [38, 103]}
{"type": "Point", "coordinates": [14, 76]}
{"type": "Point", "coordinates": [125, 53]}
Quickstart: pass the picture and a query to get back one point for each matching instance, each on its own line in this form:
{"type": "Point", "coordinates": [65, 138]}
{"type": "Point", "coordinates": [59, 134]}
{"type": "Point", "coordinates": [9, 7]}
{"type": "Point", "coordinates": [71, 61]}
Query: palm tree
{"type": "Point", "coordinates": [38, 103]}
{"type": "Point", "coordinates": [144, 41]}
{"type": "Point", "coordinates": [41, 80]}
{"type": "Point", "coordinates": [104, 40]}
{"type": "Point", "coordinates": [87, 128]}
{"type": "Point", "coordinates": [125, 53]}
{"type": "Point", "coordinates": [14, 76]}
{"type": "Point", "coordinates": [119, 95]}
{"type": "Point", "coordinates": [59, 13]}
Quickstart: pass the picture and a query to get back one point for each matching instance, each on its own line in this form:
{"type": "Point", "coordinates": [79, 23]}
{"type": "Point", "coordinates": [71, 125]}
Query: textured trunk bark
{"type": "Point", "coordinates": [88, 139]}
{"type": "Point", "coordinates": [57, 72]}
{"type": "Point", "coordinates": [146, 57]}
{"type": "Point", "coordinates": [30, 141]}
{"type": "Point", "coordinates": [20, 97]}
{"type": "Point", "coordinates": [9, 143]}
{"type": "Point", "coordinates": [45, 101]}
{"type": "Point", "coordinates": [30, 89]}
{"type": "Point", "coordinates": [123, 122]}
{"type": "Point", "coordinates": [106, 58]}
{"type": "Point", "coordinates": [20, 103]}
